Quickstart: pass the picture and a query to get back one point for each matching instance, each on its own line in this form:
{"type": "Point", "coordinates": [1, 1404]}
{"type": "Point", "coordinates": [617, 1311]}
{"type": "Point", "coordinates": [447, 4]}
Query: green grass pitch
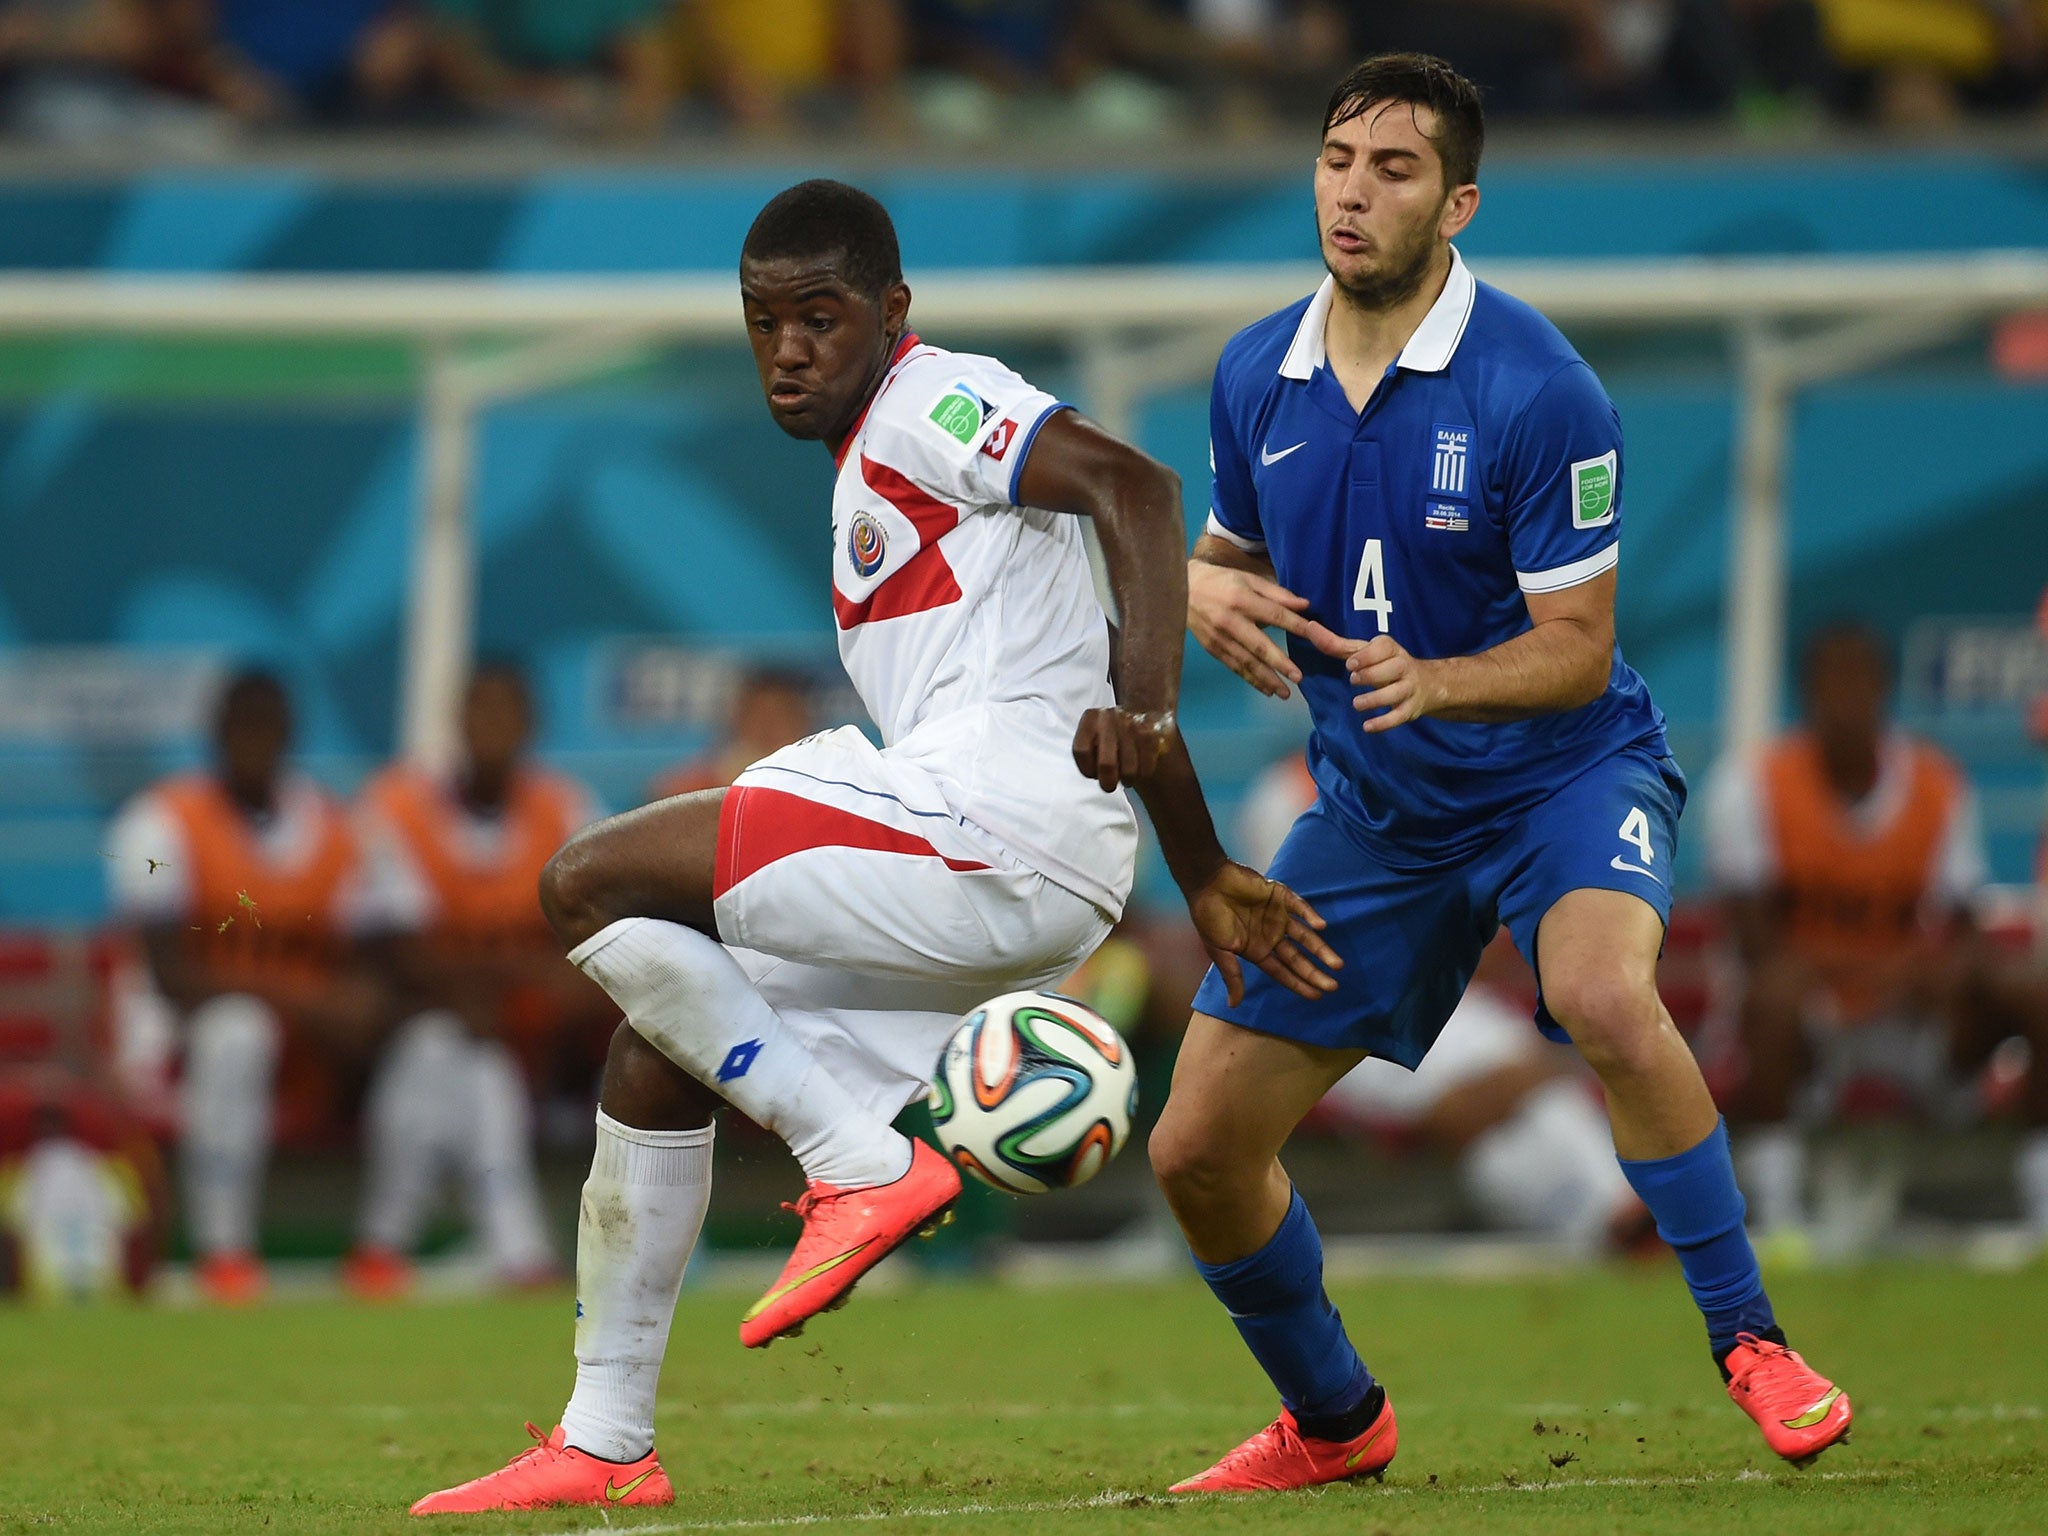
{"type": "Point", "coordinates": [1576, 1404]}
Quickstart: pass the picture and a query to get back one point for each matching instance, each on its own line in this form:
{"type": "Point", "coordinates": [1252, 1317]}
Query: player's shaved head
{"type": "Point", "coordinates": [832, 221]}
{"type": "Point", "coordinates": [1458, 126]}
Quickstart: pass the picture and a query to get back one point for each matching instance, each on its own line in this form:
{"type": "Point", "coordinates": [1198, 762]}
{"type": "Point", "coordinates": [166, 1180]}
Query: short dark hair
{"type": "Point", "coordinates": [500, 669]}
{"type": "Point", "coordinates": [1419, 80]}
{"type": "Point", "coordinates": [251, 692]}
{"type": "Point", "coordinates": [829, 218]}
{"type": "Point", "coordinates": [1844, 632]}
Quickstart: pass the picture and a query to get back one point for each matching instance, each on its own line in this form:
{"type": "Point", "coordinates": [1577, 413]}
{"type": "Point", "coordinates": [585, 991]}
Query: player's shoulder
{"type": "Point", "coordinates": [1251, 359]}
{"type": "Point", "coordinates": [1523, 355]}
{"type": "Point", "coordinates": [938, 407]}
{"type": "Point", "coordinates": [1933, 761]}
{"type": "Point", "coordinates": [939, 394]}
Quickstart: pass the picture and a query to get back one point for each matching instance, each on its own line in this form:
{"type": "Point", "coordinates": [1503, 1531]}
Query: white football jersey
{"type": "Point", "coordinates": [968, 623]}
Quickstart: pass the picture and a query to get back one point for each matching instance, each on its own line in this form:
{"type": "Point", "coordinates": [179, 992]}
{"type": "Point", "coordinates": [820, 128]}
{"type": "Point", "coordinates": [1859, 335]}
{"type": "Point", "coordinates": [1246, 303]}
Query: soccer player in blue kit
{"type": "Point", "coordinates": [1420, 481]}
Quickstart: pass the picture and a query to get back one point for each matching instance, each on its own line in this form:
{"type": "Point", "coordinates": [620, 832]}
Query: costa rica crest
{"type": "Point", "coordinates": [867, 546]}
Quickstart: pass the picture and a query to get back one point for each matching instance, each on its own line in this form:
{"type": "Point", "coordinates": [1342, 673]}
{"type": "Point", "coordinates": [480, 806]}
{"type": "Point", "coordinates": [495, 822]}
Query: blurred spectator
{"type": "Point", "coordinates": [1918, 62]}
{"type": "Point", "coordinates": [332, 61]}
{"type": "Point", "coordinates": [1039, 68]}
{"type": "Point", "coordinates": [595, 66]}
{"type": "Point", "coordinates": [1850, 854]}
{"type": "Point", "coordinates": [770, 709]}
{"type": "Point", "coordinates": [1242, 65]}
{"type": "Point", "coordinates": [1675, 57]}
{"type": "Point", "coordinates": [95, 71]}
{"type": "Point", "coordinates": [761, 63]}
{"type": "Point", "coordinates": [457, 868]}
{"type": "Point", "coordinates": [1519, 1115]}
{"type": "Point", "coordinates": [244, 884]}
{"type": "Point", "coordinates": [1008, 44]}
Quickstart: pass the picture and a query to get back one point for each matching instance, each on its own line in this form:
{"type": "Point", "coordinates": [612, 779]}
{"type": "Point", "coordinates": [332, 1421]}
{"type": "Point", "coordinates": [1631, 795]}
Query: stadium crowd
{"type": "Point", "coordinates": [194, 75]}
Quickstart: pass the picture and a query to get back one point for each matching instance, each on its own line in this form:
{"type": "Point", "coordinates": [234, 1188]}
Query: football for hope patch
{"type": "Point", "coordinates": [960, 414]}
{"type": "Point", "coordinates": [1593, 490]}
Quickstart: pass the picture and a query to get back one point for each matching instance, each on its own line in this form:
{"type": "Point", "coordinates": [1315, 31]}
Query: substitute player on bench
{"type": "Point", "coordinates": [1419, 480]}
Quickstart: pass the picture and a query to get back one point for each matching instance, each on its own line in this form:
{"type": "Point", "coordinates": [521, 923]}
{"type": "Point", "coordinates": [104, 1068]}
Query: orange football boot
{"type": "Point", "coordinates": [847, 1232]}
{"type": "Point", "coordinates": [1799, 1410]}
{"type": "Point", "coordinates": [552, 1473]}
{"type": "Point", "coordinates": [233, 1279]}
{"type": "Point", "coordinates": [376, 1273]}
{"type": "Point", "coordinates": [1280, 1456]}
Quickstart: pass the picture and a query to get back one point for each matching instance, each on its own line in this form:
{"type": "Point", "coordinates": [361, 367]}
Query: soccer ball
{"type": "Point", "coordinates": [1034, 1092]}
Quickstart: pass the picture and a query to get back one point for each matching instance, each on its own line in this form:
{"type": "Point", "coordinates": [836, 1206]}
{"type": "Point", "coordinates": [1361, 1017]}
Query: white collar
{"type": "Point", "coordinates": [1429, 350]}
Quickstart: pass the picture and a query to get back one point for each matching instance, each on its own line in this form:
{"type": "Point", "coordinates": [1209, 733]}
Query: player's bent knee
{"type": "Point", "coordinates": [644, 1089]}
{"type": "Point", "coordinates": [1192, 1166]}
{"type": "Point", "coordinates": [1613, 1018]}
{"type": "Point", "coordinates": [571, 888]}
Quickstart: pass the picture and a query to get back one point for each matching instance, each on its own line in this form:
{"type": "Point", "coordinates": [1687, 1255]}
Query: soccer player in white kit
{"type": "Point", "coordinates": [802, 944]}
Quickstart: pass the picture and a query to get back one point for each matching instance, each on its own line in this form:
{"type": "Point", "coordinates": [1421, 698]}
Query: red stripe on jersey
{"type": "Point", "coordinates": [902, 351]}
{"type": "Point", "coordinates": [930, 516]}
{"type": "Point", "coordinates": [925, 582]}
{"type": "Point", "coordinates": [757, 826]}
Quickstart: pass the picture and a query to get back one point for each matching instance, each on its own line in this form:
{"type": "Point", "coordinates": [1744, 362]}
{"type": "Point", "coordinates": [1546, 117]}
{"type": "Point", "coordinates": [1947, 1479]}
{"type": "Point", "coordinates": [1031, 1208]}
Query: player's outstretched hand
{"type": "Point", "coordinates": [1228, 612]}
{"type": "Point", "coordinates": [1122, 746]}
{"type": "Point", "coordinates": [1396, 684]}
{"type": "Point", "coordinates": [1241, 915]}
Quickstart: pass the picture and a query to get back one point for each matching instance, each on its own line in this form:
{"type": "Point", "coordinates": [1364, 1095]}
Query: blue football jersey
{"type": "Point", "coordinates": [1486, 465]}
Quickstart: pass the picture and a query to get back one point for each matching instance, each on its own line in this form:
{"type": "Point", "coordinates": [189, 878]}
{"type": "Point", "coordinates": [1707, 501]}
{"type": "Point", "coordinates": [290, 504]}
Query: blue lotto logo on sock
{"type": "Point", "coordinates": [738, 1059]}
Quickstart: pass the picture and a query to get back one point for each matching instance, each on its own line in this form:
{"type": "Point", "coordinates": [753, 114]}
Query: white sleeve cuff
{"type": "Point", "coordinates": [1558, 577]}
{"type": "Point", "coordinates": [1249, 546]}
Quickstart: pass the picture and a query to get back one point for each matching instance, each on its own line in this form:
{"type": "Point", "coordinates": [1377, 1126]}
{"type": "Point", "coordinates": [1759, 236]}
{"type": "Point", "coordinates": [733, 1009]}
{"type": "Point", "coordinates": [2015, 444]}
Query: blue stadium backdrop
{"type": "Point", "coordinates": [234, 519]}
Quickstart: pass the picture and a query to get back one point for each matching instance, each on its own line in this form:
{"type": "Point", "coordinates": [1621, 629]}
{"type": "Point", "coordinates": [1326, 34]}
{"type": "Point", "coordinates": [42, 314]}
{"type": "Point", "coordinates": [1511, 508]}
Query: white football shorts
{"type": "Point", "coordinates": [871, 917]}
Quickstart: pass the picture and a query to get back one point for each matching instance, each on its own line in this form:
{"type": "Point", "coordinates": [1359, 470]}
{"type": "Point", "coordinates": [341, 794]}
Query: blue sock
{"type": "Point", "coordinates": [1699, 1213]}
{"type": "Point", "coordinates": [1276, 1298]}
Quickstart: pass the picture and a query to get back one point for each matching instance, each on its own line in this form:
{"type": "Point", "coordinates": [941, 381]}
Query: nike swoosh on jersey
{"type": "Point", "coordinates": [615, 1494]}
{"type": "Point", "coordinates": [1267, 456]}
{"type": "Point", "coordinates": [1618, 862]}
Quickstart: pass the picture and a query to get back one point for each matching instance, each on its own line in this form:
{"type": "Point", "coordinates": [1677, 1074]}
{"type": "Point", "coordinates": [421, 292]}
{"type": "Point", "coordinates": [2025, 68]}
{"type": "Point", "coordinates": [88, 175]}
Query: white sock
{"type": "Point", "coordinates": [643, 1206]}
{"type": "Point", "coordinates": [1772, 1159]}
{"type": "Point", "coordinates": [231, 1050]}
{"type": "Point", "coordinates": [504, 1197]}
{"type": "Point", "coordinates": [2030, 1172]}
{"type": "Point", "coordinates": [1549, 1167]}
{"type": "Point", "coordinates": [415, 1125]}
{"type": "Point", "coordinates": [689, 998]}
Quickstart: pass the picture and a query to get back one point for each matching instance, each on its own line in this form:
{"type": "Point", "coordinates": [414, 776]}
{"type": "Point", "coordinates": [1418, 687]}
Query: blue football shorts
{"type": "Point", "coordinates": [1411, 937]}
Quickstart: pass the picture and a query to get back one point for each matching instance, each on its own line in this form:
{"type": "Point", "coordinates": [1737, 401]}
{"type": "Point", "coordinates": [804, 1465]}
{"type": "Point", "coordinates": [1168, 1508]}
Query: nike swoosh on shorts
{"type": "Point", "coordinates": [1618, 862]}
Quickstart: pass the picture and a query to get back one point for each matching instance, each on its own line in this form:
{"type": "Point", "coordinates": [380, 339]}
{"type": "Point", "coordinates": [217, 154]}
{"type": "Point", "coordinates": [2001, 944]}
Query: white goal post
{"type": "Point", "coordinates": [1131, 331]}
